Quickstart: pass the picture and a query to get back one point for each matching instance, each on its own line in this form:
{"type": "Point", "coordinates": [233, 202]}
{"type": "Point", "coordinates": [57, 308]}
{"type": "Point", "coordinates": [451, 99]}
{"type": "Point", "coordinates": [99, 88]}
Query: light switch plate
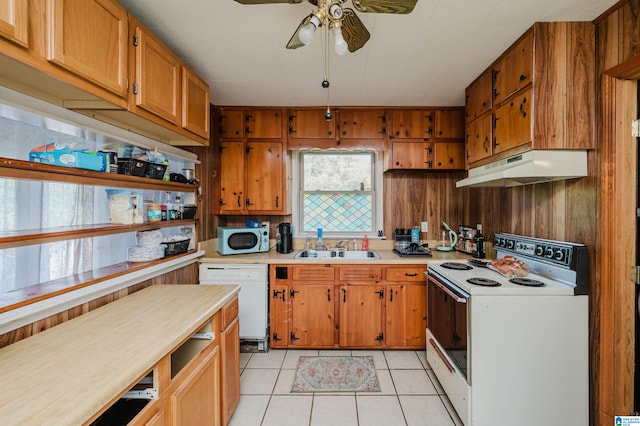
{"type": "Point", "coordinates": [635, 128]}
{"type": "Point", "coordinates": [424, 226]}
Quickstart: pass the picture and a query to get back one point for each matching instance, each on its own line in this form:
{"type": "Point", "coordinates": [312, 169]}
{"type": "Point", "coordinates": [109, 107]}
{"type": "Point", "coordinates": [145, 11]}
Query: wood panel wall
{"type": "Point", "coordinates": [618, 52]}
{"type": "Point", "coordinates": [185, 275]}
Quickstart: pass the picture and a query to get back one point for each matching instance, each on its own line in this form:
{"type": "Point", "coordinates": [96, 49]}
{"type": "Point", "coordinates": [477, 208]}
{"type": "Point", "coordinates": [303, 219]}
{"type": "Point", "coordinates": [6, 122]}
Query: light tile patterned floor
{"type": "Point", "coordinates": [410, 394]}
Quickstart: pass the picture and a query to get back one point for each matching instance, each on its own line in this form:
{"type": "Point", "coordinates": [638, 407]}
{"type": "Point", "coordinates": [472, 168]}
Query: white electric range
{"type": "Point", "coordinates": [513, 353]}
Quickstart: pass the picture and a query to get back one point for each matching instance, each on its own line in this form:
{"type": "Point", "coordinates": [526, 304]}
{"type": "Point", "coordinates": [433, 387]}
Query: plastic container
{"type": "Point", "coordinates": [189, 211]}
{"type": "Point", "coordinates": [365, 243]}
{"type": "Point", "coordinates": [176, 247]}
{"type": "Point", "coordinates": [131, 167]}
{"type": "Point", "coordinates": [155, 171]}
{"type": "Point", "coordinates": [154, 212]}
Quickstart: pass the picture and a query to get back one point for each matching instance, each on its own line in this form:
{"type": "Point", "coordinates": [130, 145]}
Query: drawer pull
{"type": "Point", "coordinates": [406, 274]}
{"type": "Point", "coordinates": [441, 355]}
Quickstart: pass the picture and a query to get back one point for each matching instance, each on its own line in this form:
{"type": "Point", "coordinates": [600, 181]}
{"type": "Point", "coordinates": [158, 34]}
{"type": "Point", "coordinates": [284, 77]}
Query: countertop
{"type": "Point", "coordinates": [383, 247]}
{"type": "Point", "coordinates": [66, 374]}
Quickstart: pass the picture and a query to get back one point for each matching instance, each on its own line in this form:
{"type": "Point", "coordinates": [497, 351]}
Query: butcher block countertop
{"type": "Point", "coordinates": [384, 248]}
{"type": "Point", "coordinates": [68, 373]}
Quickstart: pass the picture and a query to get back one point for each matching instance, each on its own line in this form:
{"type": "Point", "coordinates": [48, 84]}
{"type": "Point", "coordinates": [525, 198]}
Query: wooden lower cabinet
{"type": "Point", "coordinates": [196, 400]}
{"type": "Point", "coordinates": [229, 360]}
{"type": "Point", "coordinates": [361, 307]}
{"type": "Point", "coordinates": [350, 306]}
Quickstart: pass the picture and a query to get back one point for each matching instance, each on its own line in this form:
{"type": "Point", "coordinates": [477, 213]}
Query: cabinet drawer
{"type": "Point", "coordinates": [412, 273]}
{"type": "Point", "coordinates": [228, 313]}
{"type": "Point", "coordinates": [313, 273]}
{"type": "Point", "coordinates": [356, 273]}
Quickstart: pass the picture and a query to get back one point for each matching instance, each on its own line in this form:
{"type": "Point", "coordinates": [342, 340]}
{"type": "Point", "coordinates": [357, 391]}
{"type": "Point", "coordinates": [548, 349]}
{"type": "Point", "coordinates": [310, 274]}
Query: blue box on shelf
{"type": "Point", "coordinates": [64, 156]}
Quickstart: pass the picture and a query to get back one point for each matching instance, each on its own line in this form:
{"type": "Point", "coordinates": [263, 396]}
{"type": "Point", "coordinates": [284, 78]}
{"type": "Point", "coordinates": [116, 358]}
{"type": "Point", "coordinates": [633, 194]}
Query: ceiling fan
{"type": "Point", "coordinates": [348, 30]}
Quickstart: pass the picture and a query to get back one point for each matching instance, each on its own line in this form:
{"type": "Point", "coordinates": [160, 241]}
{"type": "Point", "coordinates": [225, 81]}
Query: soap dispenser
{"type": "Point", "coordinates": [320, 242]}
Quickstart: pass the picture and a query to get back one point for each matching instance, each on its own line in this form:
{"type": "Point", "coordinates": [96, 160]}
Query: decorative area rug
{"type": "Point", "coordinates": [336, 374]}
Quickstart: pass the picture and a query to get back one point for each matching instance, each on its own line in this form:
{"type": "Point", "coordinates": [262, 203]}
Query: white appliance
{"type": "Point", "coordinates": [507, 353]}
{"type": "Point", "coordinates": [530, 167]}
{"type": "Point", "coordinates": [252, 300]}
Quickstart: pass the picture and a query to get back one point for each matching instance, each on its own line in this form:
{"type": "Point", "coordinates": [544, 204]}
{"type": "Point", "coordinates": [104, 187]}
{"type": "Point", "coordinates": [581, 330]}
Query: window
{"type": "Point", "coordinates": [340, 192]}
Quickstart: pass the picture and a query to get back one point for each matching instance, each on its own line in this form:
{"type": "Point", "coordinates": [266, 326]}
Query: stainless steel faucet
{"type": "Point", "coordinates": [340, 243]}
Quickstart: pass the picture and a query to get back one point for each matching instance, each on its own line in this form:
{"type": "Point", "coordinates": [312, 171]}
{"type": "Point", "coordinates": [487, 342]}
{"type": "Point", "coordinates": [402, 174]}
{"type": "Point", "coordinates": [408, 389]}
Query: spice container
{"type": "Point", "coordinates": [154, 213]}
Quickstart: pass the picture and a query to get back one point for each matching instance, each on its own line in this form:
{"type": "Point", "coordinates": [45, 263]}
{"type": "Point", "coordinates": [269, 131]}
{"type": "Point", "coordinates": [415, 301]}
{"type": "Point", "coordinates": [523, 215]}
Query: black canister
{"type": "Point", "coordinates": [284, 238]}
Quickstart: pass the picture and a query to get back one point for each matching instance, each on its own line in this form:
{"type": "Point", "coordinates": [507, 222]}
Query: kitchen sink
{"type": "Point", "coordinates": [337, 255]}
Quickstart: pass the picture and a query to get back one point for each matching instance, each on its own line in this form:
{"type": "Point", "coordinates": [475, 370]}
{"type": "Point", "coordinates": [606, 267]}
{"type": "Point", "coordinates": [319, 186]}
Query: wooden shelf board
{"type": "Point", "coordinates": [35, 293]}
{"type": "Point", "coordinates": [20, 169]}
{"type": "Point", "coordinates": [41, 236]}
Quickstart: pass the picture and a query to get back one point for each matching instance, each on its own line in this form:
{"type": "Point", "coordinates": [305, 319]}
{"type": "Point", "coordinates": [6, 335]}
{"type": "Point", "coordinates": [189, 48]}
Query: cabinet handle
{"type": "Point", "coordinates": [390, 295]}
{"type": "Point", "coordinates": [292, 293]}
{"type": "Point", "coordinates": [485, 103]}
{"type": "Point", "coordinates": [485, 144]}
{"type": "Point", "coordinates": [247, 202]}
{"type": "Point", "coordinates": [277, 202]}
{"type": "Point", "coordinates": [221, 202]}
{"type": "Point", "coordinates": [410, 275]}
{"type": "Point", "coordinates": [239, 204]}
{"type": "Point", "coordinates": [522, 111]}
{"type": "Point", "coordinates": [344, 133]}
{"type": "Point", "coordinates": [380, 293]}
{"type": "Point", "coordinates": [397, 133]}
{"type": "Point", "coordinates": [328, 295]}
{"type": "Point", "coordinates": [277, 293]}
{"type": "Point", "coordinates": [344, 295]}
{"type": "Point", "coordinates": [441, 355]}
{"type": "Point", "coordinates": [523, 77]}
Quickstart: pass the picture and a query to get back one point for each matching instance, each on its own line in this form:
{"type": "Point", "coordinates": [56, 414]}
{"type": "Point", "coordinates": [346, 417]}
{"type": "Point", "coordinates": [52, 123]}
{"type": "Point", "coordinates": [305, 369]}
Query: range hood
{"type": "Point", "coordinates": [530, 167]}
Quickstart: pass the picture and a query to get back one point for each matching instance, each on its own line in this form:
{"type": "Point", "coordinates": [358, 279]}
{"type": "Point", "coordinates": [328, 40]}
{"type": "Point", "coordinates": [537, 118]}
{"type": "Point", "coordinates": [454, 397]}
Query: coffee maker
{"type": "Point", "coordinates": [284, 238]}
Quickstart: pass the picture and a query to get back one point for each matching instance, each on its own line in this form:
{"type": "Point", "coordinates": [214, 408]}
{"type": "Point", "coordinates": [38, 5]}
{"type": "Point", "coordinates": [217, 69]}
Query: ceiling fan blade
{"type": "Point", "coordinates": [385, 6]}
{"type": "Point", "coordinates": [353, 30]}
{"type": "Point", "coordinates": [294, 41]}
{"type": "Point", "coordinates": [267, 1]}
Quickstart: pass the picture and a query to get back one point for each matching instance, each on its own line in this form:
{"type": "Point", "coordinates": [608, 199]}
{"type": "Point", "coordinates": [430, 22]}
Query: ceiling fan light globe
{"type": "Point", "coordinates": [306, 33]}
{"type": "Point", "coordinates": [341, 45]}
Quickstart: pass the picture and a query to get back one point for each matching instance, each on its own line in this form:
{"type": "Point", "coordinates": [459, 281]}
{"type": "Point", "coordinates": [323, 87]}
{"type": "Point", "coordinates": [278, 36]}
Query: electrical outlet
{"type": "Point", "coordinates": [424, 226]}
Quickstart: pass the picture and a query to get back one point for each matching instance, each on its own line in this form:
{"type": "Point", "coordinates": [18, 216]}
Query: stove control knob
{"type": "Point", "coordinates": [503, 242]}
{"type": "Point", "coordinates": [558, 255]}
{"type": "Point", "coordinates": [510, 244]}
{"type": "Point", "coordinates": [549, 253]}
{"type": "Point", "coordinates": [539, 251]}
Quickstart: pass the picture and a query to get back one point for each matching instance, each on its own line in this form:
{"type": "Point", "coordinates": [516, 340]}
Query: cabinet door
{"type": "Point", "coordinates": [514, 69]}
{"type": "Point", "coordinates": [448, 155]}
{"type": "Point", "coordinates": [512, 123]}
{"type": "Point", "coordinates": [14, 23]}
{"type": "Point", "coordinates": [479, 97]}
{"type": "Point", "coordinates": [230, 369]}
{"type": "Point", "coordinates": [312, 315]}
{"type": "Point", "coordinates": [89, 38]}
{"type": "Point", "coordinates": [310, 124]}
{"type": "Point", "coordinates": [157, 77]}
{"type": "Point", "coordinates": [231, 124]}
{"type": "Point", "coordinates": [232, 156]}
{"type": "Point", "coordinates": [265, 177]}
{"type": "Point", "coordinates": [363, 124]}
{"type": "Point", "coordinates": [412, 124]}
{"type": "Point", "coordinates": [195, 103]}
{"type": "Point", "coordinates": [361, 315]}
{"type": "Point", "coordinates": [449, 124]}
{"type": "Point", "coordinates": [479, 139]}
{"type": "Point", "coordinates": [406, 315]}
{"type": "Point", "coordinates": [411, 155]}
{"type": "Point", "coordinates": [264, 124]}
{"type": "Point", "coordinates": [196, 399]}
{"type": "Point", "coordinates": [279, 308]}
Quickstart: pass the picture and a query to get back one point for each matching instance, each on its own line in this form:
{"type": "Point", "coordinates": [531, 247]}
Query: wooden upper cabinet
{"type": "Point", "coordinates": [157, 85]}
{"type": "Point", "coordinates": [231, 155]}
{"type": "Point", "coordinates": [411, 155]}
{"type": "Point", "coordinates": [480, 139]}
{"type": "Point", "coordinates": [89, 38]}
{"type": "Point", "coordinates": [14, 22]}
{"type": "Point", "coordinates": [479, 96]}
{"type": "Point", "coordinates": [310, 124]}
{"type": "Point", "coordinates": [449, 124]}
{"type": "Point", "coordinates": [514, 69]}
{"type": "Point", "coordinates": [362, 124]}
{"type": "Point", "coordinates": [231, 124]}
{"type": "Point", "coordinates": [195, 103]}
{"type": "Point", "coordinates": [265, 177]}
{"type": "Point", "coordinates": [264, 124]}
{"type": "Point", "coordinates": [448, 156]}
{"type": "Point", "coordinates": [412, 124]}
{"type": "Point", "coordinates": [512, 126]}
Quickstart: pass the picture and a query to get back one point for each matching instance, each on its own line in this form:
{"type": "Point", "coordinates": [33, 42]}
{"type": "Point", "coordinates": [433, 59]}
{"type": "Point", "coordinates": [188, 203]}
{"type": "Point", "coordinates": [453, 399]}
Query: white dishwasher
{"type": "Point", "coordinates": [252, 300]}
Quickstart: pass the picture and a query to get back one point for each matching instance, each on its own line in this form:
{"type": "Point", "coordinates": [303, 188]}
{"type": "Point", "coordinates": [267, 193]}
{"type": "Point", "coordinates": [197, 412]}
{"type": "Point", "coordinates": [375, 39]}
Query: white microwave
{"type": "Point", "coordinates": [242, 240]}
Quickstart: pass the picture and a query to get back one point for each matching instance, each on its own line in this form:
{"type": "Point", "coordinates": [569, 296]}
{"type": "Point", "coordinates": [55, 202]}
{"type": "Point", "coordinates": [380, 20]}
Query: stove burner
{"type": "Point", "coordinates": [483, 282]}
{"type": "Point", "coordinates": [457, 266]}
{"type": "Point", "coordinates": [527, 281]}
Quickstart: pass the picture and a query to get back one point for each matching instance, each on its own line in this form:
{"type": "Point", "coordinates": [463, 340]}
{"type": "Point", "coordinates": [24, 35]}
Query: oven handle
{"type": "Point", "coordinates": [458, 298]}
{"type": "Point", "coordinates": [441, 355]}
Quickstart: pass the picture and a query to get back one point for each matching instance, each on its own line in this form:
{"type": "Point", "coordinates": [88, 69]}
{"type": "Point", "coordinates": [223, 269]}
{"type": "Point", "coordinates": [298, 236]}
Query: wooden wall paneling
{"type": "Point", "coordinates": [629, 25]}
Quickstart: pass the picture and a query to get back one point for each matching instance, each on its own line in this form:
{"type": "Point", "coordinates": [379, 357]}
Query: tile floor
{"type": "Point", "coordinates": [410, 393]}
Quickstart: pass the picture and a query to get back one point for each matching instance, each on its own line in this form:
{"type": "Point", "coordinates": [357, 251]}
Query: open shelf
{"type": "Point", "coordinates": [24, 296]}
{"type": "Point", "coordinates": [40, 236]}
{"type": "Point", "coordinates": [20, 169]}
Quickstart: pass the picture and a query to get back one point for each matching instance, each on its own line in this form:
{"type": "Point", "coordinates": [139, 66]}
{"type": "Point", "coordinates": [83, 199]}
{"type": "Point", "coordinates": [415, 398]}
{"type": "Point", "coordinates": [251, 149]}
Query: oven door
{"type": "Point", "coordinates": [447, 337]}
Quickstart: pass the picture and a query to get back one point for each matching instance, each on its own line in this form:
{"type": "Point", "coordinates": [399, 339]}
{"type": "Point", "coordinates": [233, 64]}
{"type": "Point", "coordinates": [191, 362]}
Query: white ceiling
{"type": "Point", "coordinates": [427, 57]}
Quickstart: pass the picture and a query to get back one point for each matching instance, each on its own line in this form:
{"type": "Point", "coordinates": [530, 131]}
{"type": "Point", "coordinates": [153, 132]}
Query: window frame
{"type": "Point", "coordinates": [376, 193]}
